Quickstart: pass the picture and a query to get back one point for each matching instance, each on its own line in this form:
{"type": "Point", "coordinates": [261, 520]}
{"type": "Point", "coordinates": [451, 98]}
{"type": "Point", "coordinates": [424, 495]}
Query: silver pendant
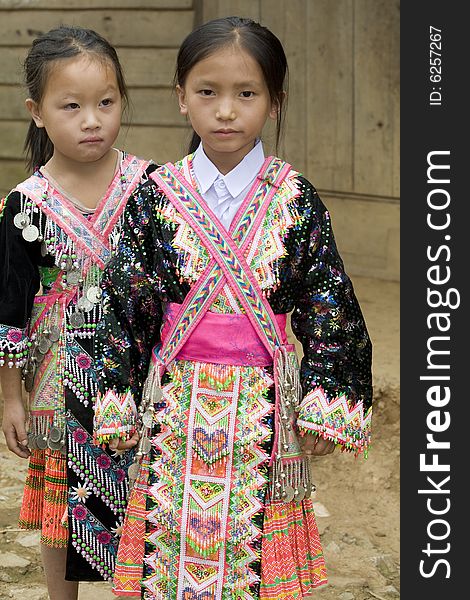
{"type": "Point", "coordinates": [147, 418]}
{"type": "Point", "coordinates": [158, 394]}
{"type": "Point", "coordinates": [37, 355]}
{"type": "Point", "coordinates": [73, 277]}
{"type": "Point", "coordinates": [84, 304]}
{"type": "Point", "coordinates": [68, 264]}
{"type": "Point", "coordinates": [146, 446]}
{"type": "Point", "coordinates": [54, 333]}
{"type": "Point", "coordinates": [55, 445]}
{"type": "Point", "coordinates": [288, 493]}
{"type": "Point", "coordinates": [77, 319]}
{"type": "Point", "coordinates": [30, 233]}
{"type": "Point", "coordinates": [44, 250]}
{"type": "Point", "coordinates": [41, 442]}
{"type": "Point", "coordinates": [299, 494]}
{"type": "Point", "coordinates": [133, 470]}
{"type": "Point", "coordinates": [55, 434]}
{"type": "Point", "coordinates": [29, 381]}
{"type": "Point", "coordinates": [21, 220]}
{"type": "Point", "coordinates": [32, 441]}
{"type": "Point", "coordinates": [93, 294]}
{"type": "Point", "coordinates": [44, 345]}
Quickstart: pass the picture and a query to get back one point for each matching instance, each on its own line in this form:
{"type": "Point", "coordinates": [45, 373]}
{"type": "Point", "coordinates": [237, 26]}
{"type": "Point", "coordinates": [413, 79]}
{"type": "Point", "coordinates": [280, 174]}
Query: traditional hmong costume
{"type": "Point", "coordinates": [49, 240]}
{"type": "Point", "coordinates": [221, 496]}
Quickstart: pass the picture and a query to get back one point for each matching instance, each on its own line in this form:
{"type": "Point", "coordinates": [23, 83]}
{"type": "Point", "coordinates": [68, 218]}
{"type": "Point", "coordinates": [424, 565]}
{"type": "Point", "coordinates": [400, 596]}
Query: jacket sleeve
{"type": "Point", "coordinates": [131, 321]}
{"type": "Point", "coordinates": [336, 367]}
{"type": "Point", "coordinates": [19, 282]}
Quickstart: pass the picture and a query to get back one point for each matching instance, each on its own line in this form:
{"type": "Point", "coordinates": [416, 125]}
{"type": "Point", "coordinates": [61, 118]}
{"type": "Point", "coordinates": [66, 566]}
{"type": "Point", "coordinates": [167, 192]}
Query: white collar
{"type": "Point", "coordinates": [237, 179]}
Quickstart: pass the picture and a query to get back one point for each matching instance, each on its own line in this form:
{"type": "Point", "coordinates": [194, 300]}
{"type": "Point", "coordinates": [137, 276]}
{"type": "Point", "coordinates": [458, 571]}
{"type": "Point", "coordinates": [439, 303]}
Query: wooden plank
{"type": "Point", "coordinates": [93, 4]}
{"type": "Point", "coordinates": [214, 9]}
{"type": "Point", "coordinates": [163, 143]}
{"type": "Point", "coordinates": [11, 173]}
{"type": "Point", "coordinates": [329, 114]}
{"type": "Point", "coordinates": [12, 103]}
{"type": "Point", "coordinates": [122, 28]}
{"type": "Point", "coordinates": [149, 67]}
{"type": "Point", "coordinates": [376, 96]}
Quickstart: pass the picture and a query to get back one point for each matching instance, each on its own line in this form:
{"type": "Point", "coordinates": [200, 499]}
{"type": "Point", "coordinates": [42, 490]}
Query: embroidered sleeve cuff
{"type": "Point", "coordinates": [115, 417]}
{"type": "Point", "coordinates": [14, 344]}
{"type": "Point", "coordinates": [335, 420]}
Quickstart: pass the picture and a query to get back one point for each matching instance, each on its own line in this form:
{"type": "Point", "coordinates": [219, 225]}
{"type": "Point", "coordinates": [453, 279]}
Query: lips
{"type": "Point", "coordinates": [91, 140]}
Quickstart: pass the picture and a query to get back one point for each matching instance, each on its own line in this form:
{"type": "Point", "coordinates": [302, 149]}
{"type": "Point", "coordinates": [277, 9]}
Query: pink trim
{"type": "Point", "coordinates": [222, 338]}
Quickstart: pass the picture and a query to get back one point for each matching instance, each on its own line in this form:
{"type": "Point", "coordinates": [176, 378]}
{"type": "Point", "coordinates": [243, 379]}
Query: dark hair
{"type": "Point", "coordinates": [58, 44]}
{"type": "Point", "coordinates": [258, 41]}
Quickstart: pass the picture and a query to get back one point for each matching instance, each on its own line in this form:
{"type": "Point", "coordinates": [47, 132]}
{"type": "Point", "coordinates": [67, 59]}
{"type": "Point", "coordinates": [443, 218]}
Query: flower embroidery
{"type": "Point", "coordinates": [117, 529]}
{"type": "Point", "coordinates": [14, 335]}
{"type": "Point", "coordinates": [83, 361]}
{"type": "Point", "coordinates": [103, 461]}
{"type": "Point", "coordinates": [104, 537]}
{"type": "Point", "coordinates": [80, 436]}
{"type": "Point", "coordinates": [80, 493]}
{"type": "Point", "coordinates": [79, 512]}
{"type": "Point", "coordinates": [120, 475]}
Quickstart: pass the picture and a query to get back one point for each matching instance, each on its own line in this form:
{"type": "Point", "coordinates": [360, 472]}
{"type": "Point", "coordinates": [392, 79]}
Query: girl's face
{"type": "Point", "coordinates": [80, 109]}
{"type": "Point", "coordinates": [227, 102]}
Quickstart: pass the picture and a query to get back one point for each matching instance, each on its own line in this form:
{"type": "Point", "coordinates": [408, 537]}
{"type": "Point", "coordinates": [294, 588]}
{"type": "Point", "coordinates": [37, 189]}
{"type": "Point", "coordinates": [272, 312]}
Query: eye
{"type": "Point", "coordinates": [106, 102]}
{"type": "Point", "coordinates": [206, 92]}
{"type": "Point", "coordinates": [71, 106]}
{"type": "Point", "coordinates": [247, 94]}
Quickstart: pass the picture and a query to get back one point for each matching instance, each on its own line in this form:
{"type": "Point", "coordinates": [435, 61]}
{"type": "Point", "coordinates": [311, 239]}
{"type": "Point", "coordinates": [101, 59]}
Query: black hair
{"type": "Point", "coordinates": [262, 45]}
{"type": "Point", "coordinates": [58, 44]}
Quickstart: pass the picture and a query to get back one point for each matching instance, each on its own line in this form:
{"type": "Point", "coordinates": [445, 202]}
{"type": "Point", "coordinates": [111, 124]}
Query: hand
{"type": "Point", "coordinates": [315, 445]}
{"type": "Point", "coordinates": [14, 427]}
{"type": "Point", "coordinates": [118, 444]}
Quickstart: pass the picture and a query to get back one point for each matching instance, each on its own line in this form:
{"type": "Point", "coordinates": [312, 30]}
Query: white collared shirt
{"type": "Point", "coordinates": [225, 193]}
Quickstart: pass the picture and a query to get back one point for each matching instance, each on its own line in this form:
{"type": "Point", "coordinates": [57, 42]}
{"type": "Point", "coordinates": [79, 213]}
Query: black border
{"type": "Point", "coordinates": [424, 129]}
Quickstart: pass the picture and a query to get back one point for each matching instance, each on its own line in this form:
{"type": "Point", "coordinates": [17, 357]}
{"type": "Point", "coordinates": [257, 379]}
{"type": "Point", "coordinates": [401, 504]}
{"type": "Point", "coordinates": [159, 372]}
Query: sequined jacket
{"type": "Point", "coordinates": [300, 271]}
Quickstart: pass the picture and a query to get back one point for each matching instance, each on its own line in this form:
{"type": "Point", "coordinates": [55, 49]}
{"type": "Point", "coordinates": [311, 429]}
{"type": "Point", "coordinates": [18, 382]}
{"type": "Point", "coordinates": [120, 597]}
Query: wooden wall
{"type": "Point", "coordinates": [343, 119]}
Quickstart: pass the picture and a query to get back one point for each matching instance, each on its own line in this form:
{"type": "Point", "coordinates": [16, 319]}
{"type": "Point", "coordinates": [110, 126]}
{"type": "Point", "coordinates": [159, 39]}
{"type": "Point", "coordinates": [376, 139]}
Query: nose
{"type": "Point", "coordinates": [90, 120]}
{"type": "Point", "coordinates": [225, 111]}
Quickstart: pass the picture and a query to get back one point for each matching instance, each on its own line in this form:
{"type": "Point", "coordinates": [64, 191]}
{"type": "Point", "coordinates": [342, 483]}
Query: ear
{"type": "Point", "coordinates": [34, 111]}
{"type": "Point", "coordinates": [275, 107]}
{"type": "Point", "coordinates": [181, 100]}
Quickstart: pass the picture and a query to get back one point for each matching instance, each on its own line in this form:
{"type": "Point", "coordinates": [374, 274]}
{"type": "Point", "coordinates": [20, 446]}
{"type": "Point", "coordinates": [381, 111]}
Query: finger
{"type": "Point", "coordinates": [17, 448]}
{"type": "Point", "coordinates": [114, 443]}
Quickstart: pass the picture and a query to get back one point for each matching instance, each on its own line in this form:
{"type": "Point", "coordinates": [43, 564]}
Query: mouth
{"type": "Point", "coordinates": [91, 140]}
{"type": "Point", "coordinates": [225, 131]}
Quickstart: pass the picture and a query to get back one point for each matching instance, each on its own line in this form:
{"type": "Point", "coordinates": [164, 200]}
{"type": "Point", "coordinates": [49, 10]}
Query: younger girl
{"type": "Point", "coordinates": [57, 230]}
{"type": "Point", "coordinates": [216, 250]}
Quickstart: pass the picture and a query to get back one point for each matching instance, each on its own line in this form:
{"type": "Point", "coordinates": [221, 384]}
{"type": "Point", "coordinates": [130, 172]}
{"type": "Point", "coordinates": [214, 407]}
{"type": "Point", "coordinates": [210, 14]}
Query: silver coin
{"type": "Point", "coordinates": [44, 250]}
{"type": "Point", "coordinates": [133, 471]}
{"type": "Point", "coordinates": [299, 494]}
{"type": "Point", "coordinates": [158, 394]}
{"type": "Point", "coordinates": [44, 345]}
{"type": "Point", "coordinates": [146, 445]}
{"type": "Point", "coordinates": [55, 434]}
{"type": "Point", "coordinates": [29, 381]}
{"type": "Point", "coordinates": [288, 493]}
{"type": "Point", "coordinates": [54, 333]}
{"type": "Point", "coordinates": [147, 418]}
{"type": "Point", "coordinates": [55, 445]}
{"type": "Point", "coordinates": [41, 442]}
{"type": "Point", "coordinates": [32, 441]}
{"type": "Point", "coordinates": [30, 233]}
{"type": "Point", "coordinates": [37, 355]}
{"type": "Point", "coordinates": [93, 294]}
{"type": "Point", "coordinates": [73, 277]}
{"type": "Point", "coordinates": [68, 263]}
{"type": "Point", "coordinates": [77, 319]}
{"type": "Point", "coordinates": [21, 220]}
{"type": "Point", "coordinates": [84, 304]}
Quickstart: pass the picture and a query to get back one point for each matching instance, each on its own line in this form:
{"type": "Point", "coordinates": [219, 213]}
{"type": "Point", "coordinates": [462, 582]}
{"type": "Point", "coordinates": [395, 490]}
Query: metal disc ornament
{"type": "Point", "coordinates": [54, 333]}
{"type": "Point", "coordinates": [93, 294]}
{"type": "Point", "coordinates": [133, 471]}
{"type": "Point", "coordinates": [55, 445]}
{"type": "Point", "coordinates": [44, 249]}
{"type": "Point", "coordinates": [77, 319]}
{"type": "Point", "coordinates": [41, 442]}
{"type": "Point", "coordinates": [29, 381]}
{"type": "Point", "coordinates": [32, 441]}
{"type": "Point", "coordinates": [30, 233]}
{"type": "Point", "coordinates": [44, 345]}
{"type": "Point", "coordinates": [147, 418]}
{"type": "Point", "coordinates": [146, 446]}
{"type": "Point", "coordinates": [84, 304]}
{"type": "Point", "coordinates": [158, 394]}
{"type": "Point", "coordinates": [21, 220]}
{"type": "Point", "coordinates": [300, 495]}
{"type": "Point", "coordinates": [55, 434]}
{"type": "Point", "coordinates": [73, 277]}
{"type": "Point", "coordinates": [68, 263]}
{"type": "Point", "coordinates": [288, 493]}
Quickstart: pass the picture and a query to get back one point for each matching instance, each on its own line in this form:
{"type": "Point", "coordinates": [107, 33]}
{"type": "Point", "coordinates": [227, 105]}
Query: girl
{"type": "Point", "coordinates": [216, 250]}
{"type": "Point", "coordinates": [57, 230]}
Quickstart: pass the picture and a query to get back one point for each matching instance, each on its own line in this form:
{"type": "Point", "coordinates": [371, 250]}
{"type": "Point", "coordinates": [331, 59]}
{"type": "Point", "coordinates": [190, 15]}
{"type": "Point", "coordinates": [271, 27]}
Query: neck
{"type": "Point", "coordinates": [226, 161]}
{"type": "Point", "coordinates": [64, 169]}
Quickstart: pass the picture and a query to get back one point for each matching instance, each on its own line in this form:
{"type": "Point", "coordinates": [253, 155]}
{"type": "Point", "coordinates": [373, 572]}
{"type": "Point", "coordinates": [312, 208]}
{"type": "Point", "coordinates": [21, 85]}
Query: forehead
{"type": "Point", "coordinates": [85, 71]}
{"type": "Point", "coordinates": [228, 65]}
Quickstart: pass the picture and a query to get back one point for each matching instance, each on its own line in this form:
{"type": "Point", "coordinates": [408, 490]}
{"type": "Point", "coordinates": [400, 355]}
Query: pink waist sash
{"type": "Point", "coordinates": [223, 338]}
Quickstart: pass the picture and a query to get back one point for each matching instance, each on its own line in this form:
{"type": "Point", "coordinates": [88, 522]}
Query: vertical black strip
{"type": "Point", "coordinates": [435, 398]}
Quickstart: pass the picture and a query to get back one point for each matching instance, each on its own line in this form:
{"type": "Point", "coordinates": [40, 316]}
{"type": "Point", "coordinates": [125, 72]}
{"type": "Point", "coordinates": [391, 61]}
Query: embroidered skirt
{"type": "Point", "coordinates": [202, 502]}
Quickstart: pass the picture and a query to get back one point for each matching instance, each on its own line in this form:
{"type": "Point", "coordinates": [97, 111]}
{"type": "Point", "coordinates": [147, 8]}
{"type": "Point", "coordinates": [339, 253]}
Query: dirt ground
{"type": "Point", "coordinates": [357, 500]}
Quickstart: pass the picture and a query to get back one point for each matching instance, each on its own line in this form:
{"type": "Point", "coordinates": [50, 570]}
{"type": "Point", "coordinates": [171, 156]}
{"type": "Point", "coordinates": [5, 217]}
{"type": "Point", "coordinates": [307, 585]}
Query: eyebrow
{"type": "Point", "coordinates": [208, 83]}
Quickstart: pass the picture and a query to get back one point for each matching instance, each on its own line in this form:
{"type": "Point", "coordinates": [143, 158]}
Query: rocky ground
{"type": "Point", "coordinates": [357, 500]}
